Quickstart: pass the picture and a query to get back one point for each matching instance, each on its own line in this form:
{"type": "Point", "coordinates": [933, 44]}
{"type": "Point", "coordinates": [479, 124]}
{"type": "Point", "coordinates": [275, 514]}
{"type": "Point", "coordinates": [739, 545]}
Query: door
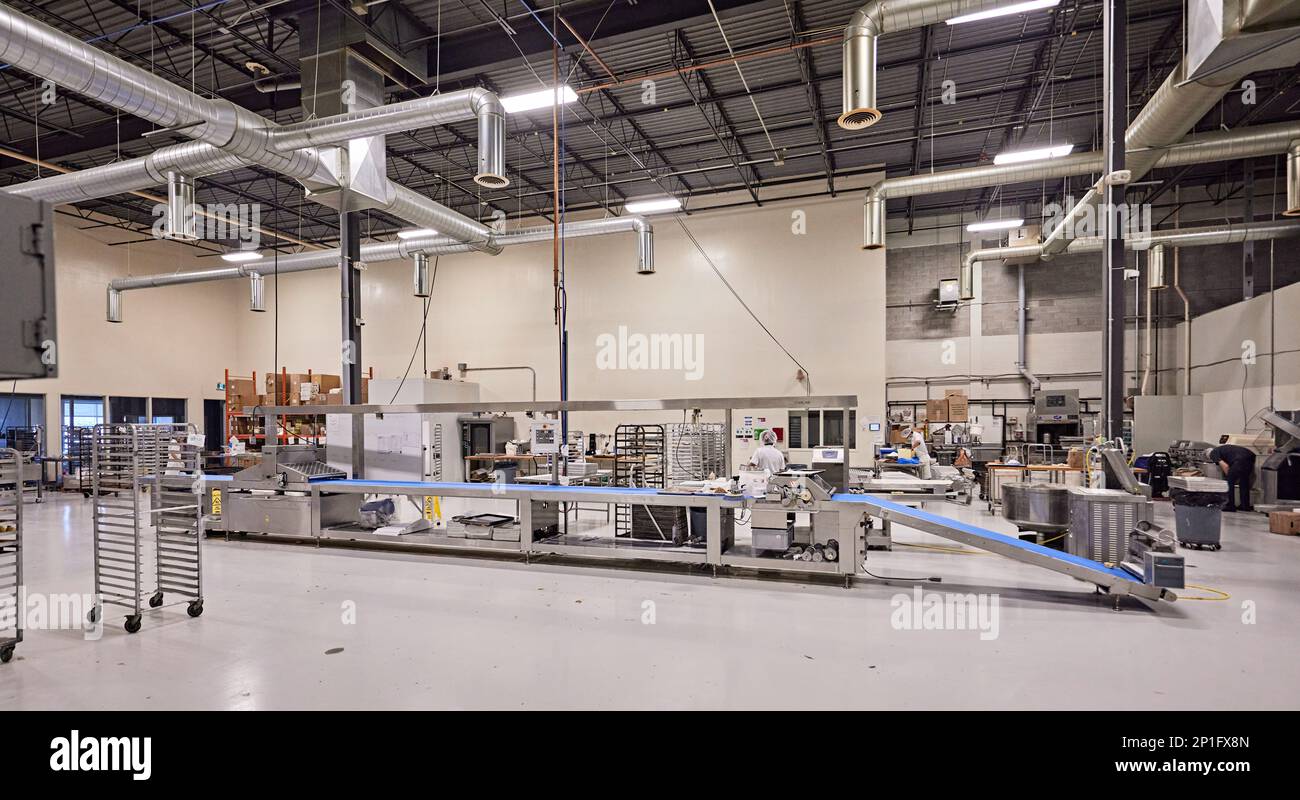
{"type": "Point", "coordinates": [214, 424]}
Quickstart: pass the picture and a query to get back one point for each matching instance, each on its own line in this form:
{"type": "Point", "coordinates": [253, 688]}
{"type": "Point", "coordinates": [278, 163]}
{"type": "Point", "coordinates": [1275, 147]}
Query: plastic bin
{"type": "Point", "coordinates": [1198, 526]}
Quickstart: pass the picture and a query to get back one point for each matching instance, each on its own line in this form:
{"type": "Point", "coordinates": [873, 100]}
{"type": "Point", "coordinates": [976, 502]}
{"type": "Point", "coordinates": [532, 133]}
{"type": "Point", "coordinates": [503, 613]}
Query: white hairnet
{"type": "Point", "coordinates": [769, 438]}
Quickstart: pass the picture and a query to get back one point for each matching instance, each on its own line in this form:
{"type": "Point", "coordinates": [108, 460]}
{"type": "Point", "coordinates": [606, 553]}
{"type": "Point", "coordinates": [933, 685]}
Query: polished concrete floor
{"type": "Point", "coordinates": [289, 626]}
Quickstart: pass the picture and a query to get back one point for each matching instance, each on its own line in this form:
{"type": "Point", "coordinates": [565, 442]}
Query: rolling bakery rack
{"type": "Point", "coordinates": [11, 555]}
{"type": "Point", "coordinates": [164, 461]}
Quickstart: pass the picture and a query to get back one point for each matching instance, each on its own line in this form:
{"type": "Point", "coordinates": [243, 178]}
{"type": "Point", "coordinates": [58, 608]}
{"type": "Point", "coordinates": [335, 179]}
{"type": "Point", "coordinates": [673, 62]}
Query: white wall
{"type": "Point", "coordinates": [1233, 392]}
{"type": "Point", "coordinates": [819, 293]}
{"type": "Point", "coordinates": [174, 342]}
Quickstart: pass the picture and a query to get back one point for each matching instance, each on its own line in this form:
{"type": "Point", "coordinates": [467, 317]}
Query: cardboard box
{"type": "Point", "coordinates": [958, 405]}
{"type": "Point", "coordinates": [1286, 523]}
{"type": "Point", "coordinates": [896, 436]}
{"type": "Point", "coordinates": [333, 397]}
{"type": "Point", "coordinates": [936, 410]}
{"type": "Point", "coordinates": [240, 392]}
{"type": "Point", "coordinates": [327, 382]}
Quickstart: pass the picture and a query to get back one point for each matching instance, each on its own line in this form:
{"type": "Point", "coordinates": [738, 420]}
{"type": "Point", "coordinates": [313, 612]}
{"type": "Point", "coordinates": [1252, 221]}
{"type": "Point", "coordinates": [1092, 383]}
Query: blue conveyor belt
{"type": "Point", "coordinates": [534, 488]}
{"type": "Point", "coordinates": [901, 511]}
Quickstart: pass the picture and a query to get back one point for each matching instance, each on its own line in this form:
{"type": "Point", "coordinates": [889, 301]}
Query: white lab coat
{"type": "Point", "coordinates": [922, 453]}
{"type": "Point", "coordinates": [769, 458]}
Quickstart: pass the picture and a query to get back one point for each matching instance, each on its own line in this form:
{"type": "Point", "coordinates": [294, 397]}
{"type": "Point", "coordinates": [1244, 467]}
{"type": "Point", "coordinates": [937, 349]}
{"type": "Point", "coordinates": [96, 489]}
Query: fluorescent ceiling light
{"type": "Point", "coordinates": [542, 98]}
{"type": "Point", "coordinates": [1014, 8]}
{"type": "Point", "coordinates": [415, 233]}
{"type": "Point", "coordinates": [994, 225]}
{"type": "Point", "coordinates": [1038, 154]}
{"type": "Point", "coordinates": [651, 206]}
{"type": "Point", "coordinates": [241, 255]}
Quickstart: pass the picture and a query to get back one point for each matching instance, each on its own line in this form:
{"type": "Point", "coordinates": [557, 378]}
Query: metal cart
{"type": "Point", "coordinates": [11, 555]}
{"type": "Point", "coordinates": [29, 442]}
{"type": "Point", "coordinates": [166, 461]}
{"type": "Point", "coordinates": [77, 445]}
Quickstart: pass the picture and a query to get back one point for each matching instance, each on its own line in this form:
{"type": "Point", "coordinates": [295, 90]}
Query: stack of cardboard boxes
{"type": "Point", "coordinates": [954, 407]}
{"type": "Point", "coordinates": [309, 388]}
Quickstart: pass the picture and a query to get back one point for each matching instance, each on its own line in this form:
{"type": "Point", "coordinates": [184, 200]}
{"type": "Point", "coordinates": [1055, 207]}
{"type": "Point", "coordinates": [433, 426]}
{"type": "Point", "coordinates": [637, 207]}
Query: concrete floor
{"type": "Point", "coordinates": [450, 632]}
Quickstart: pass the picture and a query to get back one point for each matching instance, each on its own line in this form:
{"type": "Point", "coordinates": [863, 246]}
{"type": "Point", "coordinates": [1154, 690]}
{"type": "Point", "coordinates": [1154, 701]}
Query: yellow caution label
{"type": "Point", "coordinates": [216, 501]}
{"type": "Point", "coordinates": [428, 508]}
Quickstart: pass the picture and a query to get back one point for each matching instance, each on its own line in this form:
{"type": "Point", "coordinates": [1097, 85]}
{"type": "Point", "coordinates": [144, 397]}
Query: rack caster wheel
{"type": "Point", "coordinates": [195, 609]}
{"type": "Point", "coordinates": [156, 600]}
{"type": "Point", "coordinates": [132, 624]}
{"type": "Point", "coordinates": [6, 654]}
{"type": "Point", "coordinates": [1216, 547]}
{"type": "Point", "coordinates": [92, 616]}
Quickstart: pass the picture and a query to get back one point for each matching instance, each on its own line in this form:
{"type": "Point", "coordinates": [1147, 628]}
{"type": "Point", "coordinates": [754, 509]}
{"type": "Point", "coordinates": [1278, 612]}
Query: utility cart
{"type": "Point", "coordinates": [162, 462]}
{"type": "Point", "coordinates": [11, 555]}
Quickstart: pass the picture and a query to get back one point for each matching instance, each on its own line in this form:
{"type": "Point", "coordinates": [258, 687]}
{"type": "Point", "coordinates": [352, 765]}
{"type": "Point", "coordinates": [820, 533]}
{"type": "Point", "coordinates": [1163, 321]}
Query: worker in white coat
{"type": "Point", "coordinates": [916, 441]}
{"type": "Point", "coordinates": [767, 456]}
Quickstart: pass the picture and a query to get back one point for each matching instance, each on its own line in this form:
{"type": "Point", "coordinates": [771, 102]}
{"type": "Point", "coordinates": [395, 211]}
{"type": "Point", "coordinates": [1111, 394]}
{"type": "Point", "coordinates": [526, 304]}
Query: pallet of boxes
{"type": "Point", "coordinates": [307, 389]}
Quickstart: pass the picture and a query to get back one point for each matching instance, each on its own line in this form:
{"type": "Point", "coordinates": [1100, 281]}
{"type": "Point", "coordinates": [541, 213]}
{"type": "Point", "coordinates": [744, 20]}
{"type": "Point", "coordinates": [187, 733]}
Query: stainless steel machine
{"type": "Point", "coordinates": [1042, 509]}
{"type": "Point", "coordinates": [1101, 521]}
{"type": "Point", "coordinates": [1055, 416]}
{"type": "Point", "coordinates": [1279, 471]}
{"type": "Point", "coordinates": [273, 497]}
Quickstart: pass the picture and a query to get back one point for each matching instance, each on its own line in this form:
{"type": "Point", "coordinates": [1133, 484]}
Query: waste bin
{"type": "Point", "coordinates": [1198, 517]}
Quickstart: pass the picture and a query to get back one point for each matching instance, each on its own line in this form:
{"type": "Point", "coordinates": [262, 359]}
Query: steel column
{"type": "Point", "coordinates": [1115, 122]}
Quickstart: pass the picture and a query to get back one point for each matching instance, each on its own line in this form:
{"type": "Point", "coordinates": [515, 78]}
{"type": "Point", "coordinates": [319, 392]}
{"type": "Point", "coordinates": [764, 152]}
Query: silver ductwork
{"type": "Point", "coordinates": [1191, 237]}
{"type": "Point", "coordinates": [873, 220]}
{"type": "Point", "coordinates": [1191, 91]}
{"type": "Point", "coordinates": [41, 50]}
{"type": "Point", "coordinates": [423, 112]}
{"type": "Point", "coordinates": [423, 281]}
{"type": "Point", "coordinates": [859, 107]}
{"type": "Point", "coordinates": [195, 159]}
{"type": "Point", "coordinates": [1156, 278]}
{"type": "Point", "coordinates": [1293, 180]}
{"type": "Point", "coordinates": [1260, 140]}
{"type": "Point", "coordinates": [390, 251]}
{"type": "Point", "coordinates": [181, 221]}
{"type": "Point", "coordinates": [257, 292]}
{"type": "Point", "coordinates": [37, 48]}
{"type": "Point", "coordinates": [113, 307]}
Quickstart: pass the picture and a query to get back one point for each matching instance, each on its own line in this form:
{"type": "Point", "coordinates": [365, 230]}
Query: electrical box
{"type": "Point", "coordinates": [28, 346]}
{"type": "Point", "coordinates": [949, 291]}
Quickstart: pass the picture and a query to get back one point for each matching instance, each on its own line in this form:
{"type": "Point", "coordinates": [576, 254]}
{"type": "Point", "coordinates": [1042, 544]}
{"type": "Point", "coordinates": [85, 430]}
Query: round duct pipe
{"type": "Point", "coordinates": [1156, 268]}
{"type": "Point", "coordinates": [645, 251]}
{"type": "Point", "coordinates": [182, 221]}
{"type": "Point", "coordinates": [1293, 180]}
{"type": "Point", "coordinates": [859, 104]}
{"type": "Point", "coordinates": [257, 292]}
{"type": "Point", "coordinates": [113, 312]}
{"type": "Point", "coordinates": [966, 281]}
{"type": "Point", "coordinates": [873, 213]}
{"type": "Point", "coordinates": [491, 149]}
{"type": "Point", "coordinates": [423, 281]}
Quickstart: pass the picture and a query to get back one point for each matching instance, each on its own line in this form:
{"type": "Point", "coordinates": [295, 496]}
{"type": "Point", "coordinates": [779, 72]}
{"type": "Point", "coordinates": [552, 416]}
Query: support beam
{"type": "Point", "coordinates": [1114, 125]}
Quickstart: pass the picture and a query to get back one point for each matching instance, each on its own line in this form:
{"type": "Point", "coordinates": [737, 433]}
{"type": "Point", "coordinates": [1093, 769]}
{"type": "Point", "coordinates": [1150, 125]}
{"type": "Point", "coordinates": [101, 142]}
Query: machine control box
{"type": "Point", "coordinates": [27, 333]}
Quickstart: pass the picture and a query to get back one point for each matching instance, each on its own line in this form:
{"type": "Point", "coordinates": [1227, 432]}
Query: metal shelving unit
{"type": "Point", "coordinates": [29, 442]}
{"type": "Point", "coordinates": [11, 554]}
{"type": "Point", "coordinates": [696, 450]}
{"type": "Point", "coordinates": [127, 461]}
{"type": "Point", "coordinates": [638, 462]}
{"type": "Point", "coordinates": [77, 446]}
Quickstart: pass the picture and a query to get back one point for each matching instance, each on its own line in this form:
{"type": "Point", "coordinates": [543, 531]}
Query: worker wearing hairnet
{"type": "Point", "coordinates": [916, 441]}
{"type": "Point", "coordinates": [767, 456]}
